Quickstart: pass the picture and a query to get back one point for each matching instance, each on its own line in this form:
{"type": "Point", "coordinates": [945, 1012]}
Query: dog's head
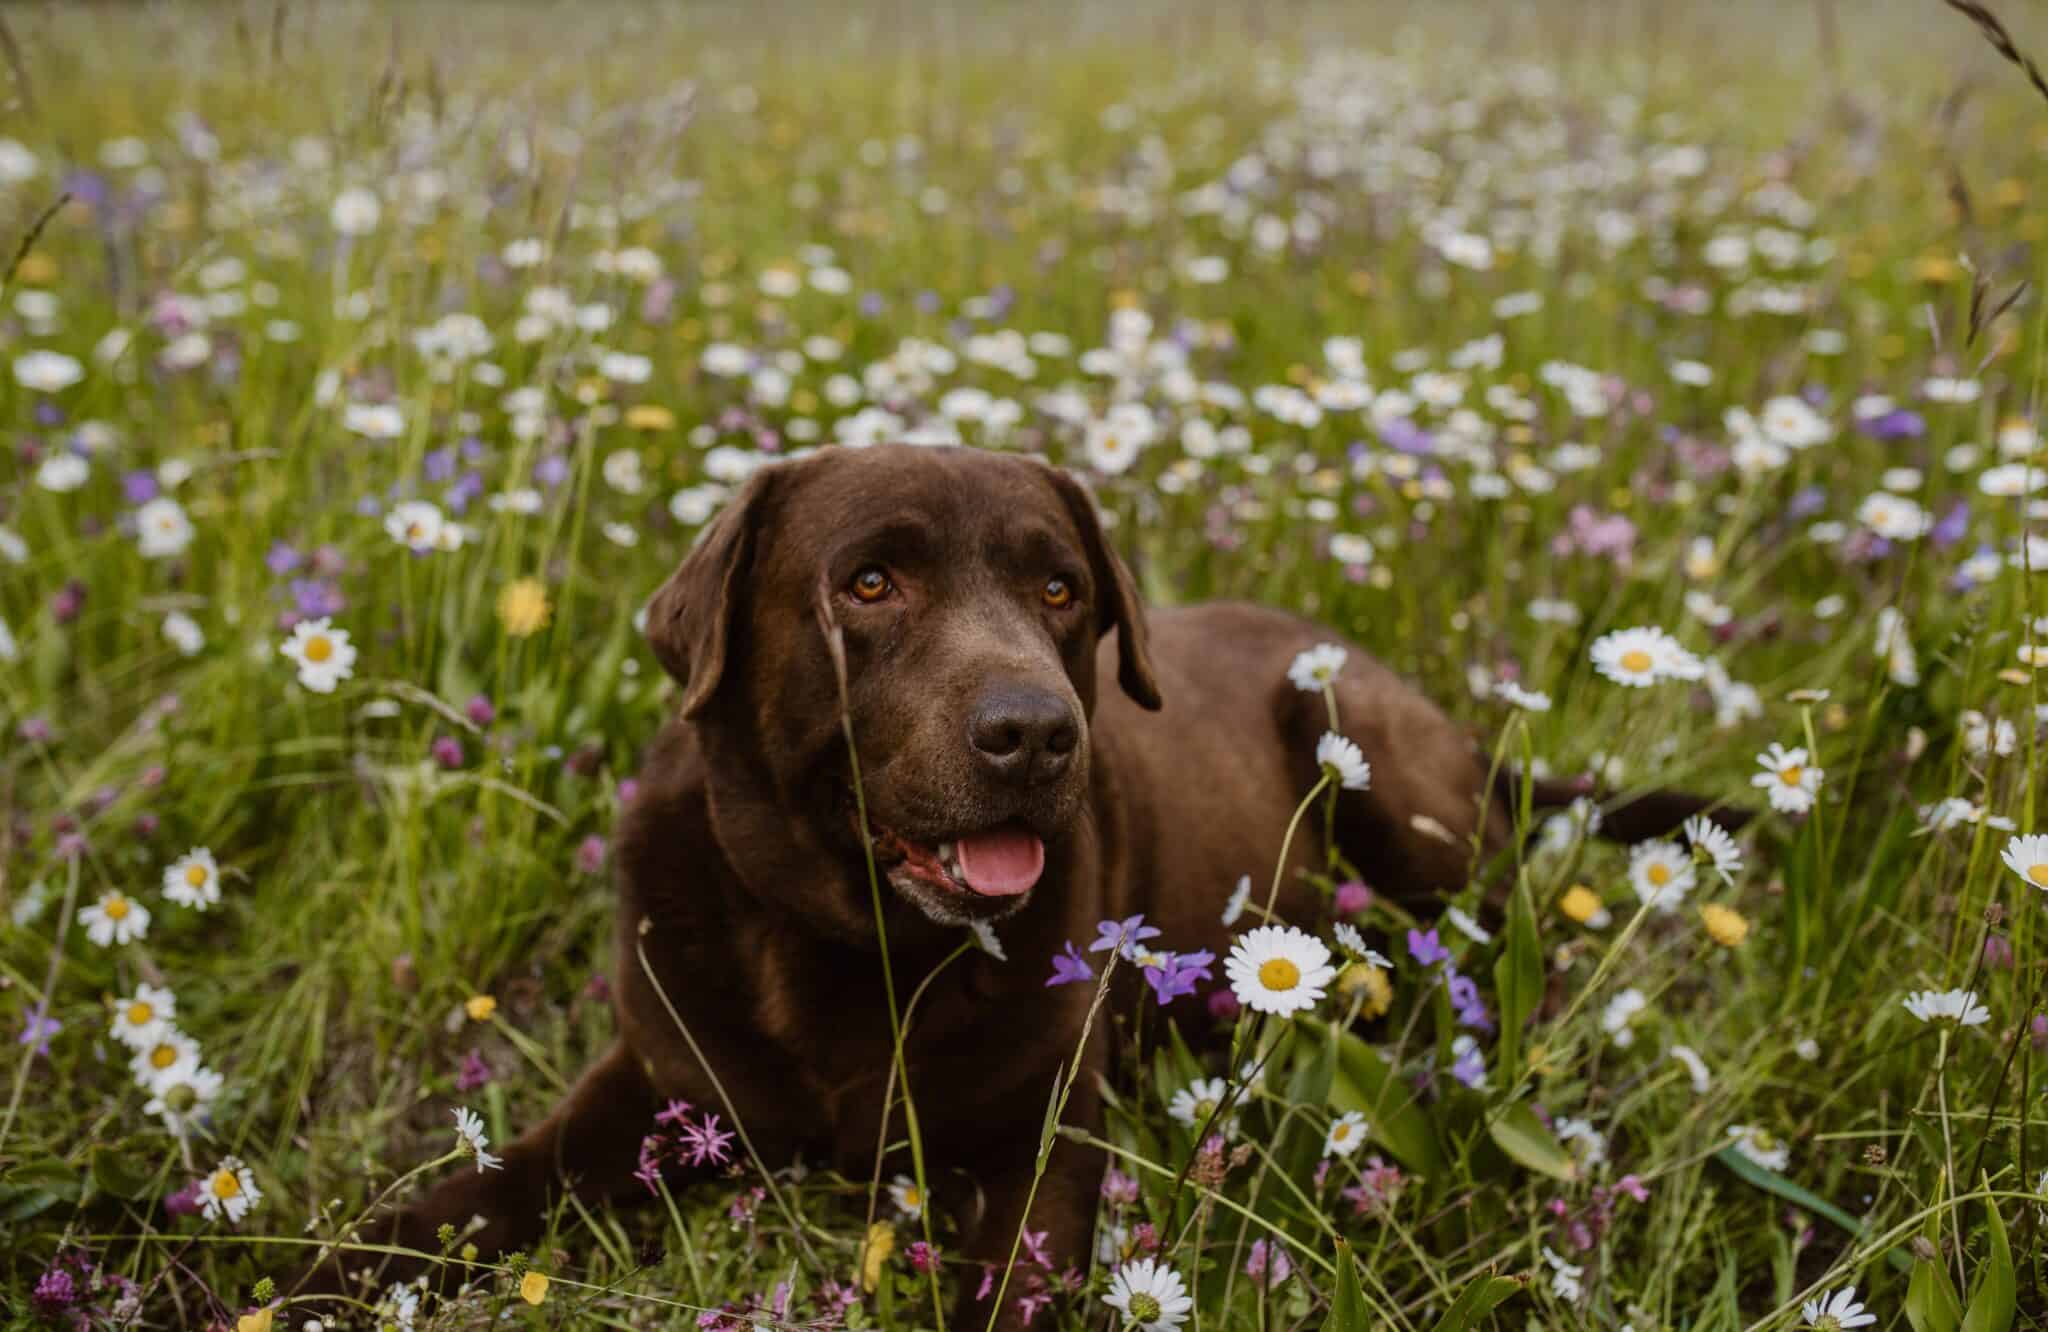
{"type": "Point", "coordinates": [949, 602]}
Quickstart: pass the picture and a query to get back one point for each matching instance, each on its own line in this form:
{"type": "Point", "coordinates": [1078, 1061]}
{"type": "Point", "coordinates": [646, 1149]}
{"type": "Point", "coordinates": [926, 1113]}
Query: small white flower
{"type": "Point", "coordinates": [1621, 1010]}
{"type": "Point", "coordinates": [416, 525]}
{"type": "Point", "coordinates": [1661, 874]}
{"type": "Point", "coordinates": [1194, 1104]}
{"type": "Point", "coordinates": [1587, 1143]}
{"type": "Point", "coordinates": [1346, 1134]}
{"type": "Point", "coordinates": [1710, 839]}
{"type": "Point", "coordinates": [1150, 1296]}
{"type": "Point", "coordinates": [1343, 760]}
{"type": "Point", "coordinates": [62, 473]}
{"type": "Point", "coordinates": [182, 632]}
{"type": "Point", "coordinates": [143, 1016]}
{"type": "Point", "coordinates": [1529, 700]}
{"type": "Point", "coordinates": [1465, 925]}
{"type": "Point", "coordinates": [470, 1139]}
{"type": "Point", "coordinates": [193, 879]}
{"type": "Point", "coordinates": [114, 919]}
{"type": "Point", "coordinates": [1278, 969]}
{"type": "Point", "coordinates": [322, 653]}
{"type": "Point", "coordinates": [1239, 896]}
{"type": "Point", "coordinates": [1957, 1006]}
{"type": "Point", "coordinates": [1759, 1146]}
{"type": "Point", "coordinates": [183, 1096]}
{"type": "Point", "coordinates": [1787, 779]}
{"type": "Point", "coordinates": [1316, 669]}
{"type": "Point", "coordinates": [355, 212]}
{"type": "Point", "coordinates": [166, 1054]}
{"type": "Point", "coordinates": [1567, 1282]}
{"type": "Point", "coordinates": [1695, 1066]}
{"type": "Point", "coordinates": [161, 528]}
{"type": "Point", "coordinates": [229, 1191]}
{"type": "Point", "coordinates": [1835, 1312]}
{"type": "Point", "coordinates": [2027, 856]}
{"type": "Point", "coordinates": [907, 1197]}
{"type": "Point", "coordinates": [47, 371]}
{"type": "Point", "coordinates": [1642, 656]}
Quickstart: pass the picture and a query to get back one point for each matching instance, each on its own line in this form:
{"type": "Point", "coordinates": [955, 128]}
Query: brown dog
{"type": "Point", "coordinates": [975, 596]}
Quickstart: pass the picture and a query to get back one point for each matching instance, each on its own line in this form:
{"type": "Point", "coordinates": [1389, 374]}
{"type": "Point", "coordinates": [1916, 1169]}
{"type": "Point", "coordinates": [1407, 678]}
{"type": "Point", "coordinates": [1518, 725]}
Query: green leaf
{"type": "Point", "coordinates": [1996, 1299]}
{"type": "Point", "coordinates": [1518, 978]}
{"type": "Point", "coordinates": [122, 1176]}
{"type": "Point", "coordinates": [1770, 1181]}
{"type": "Point", "coordinates": [1363, 1081]}
{"type": "Point", "coordinates": [1478, 1300]}
{"type": "Point", "coordinates": [1347, 1304]}
{"type": "Point", "coordinates": [1518, 1132]}
{"type": "Point", "coordinates": [1932, 1304]}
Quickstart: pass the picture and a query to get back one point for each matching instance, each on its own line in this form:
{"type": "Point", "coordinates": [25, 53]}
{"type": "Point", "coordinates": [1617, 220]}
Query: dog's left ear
{"type": "Point", "coordinates": [1118, 605]}
{"type": "Point", "coordinates": [693, 619]}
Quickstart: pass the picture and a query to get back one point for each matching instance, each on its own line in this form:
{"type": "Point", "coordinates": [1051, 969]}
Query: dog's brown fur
{"type": "Point", "coordinates": [741, 875]}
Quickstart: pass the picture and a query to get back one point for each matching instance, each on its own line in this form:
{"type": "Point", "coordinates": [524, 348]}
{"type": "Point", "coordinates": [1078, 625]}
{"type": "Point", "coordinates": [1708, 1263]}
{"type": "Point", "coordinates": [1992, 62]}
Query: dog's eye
{"type": "Point", "coordinates": [870, 585]}
{"type": "Point", "coordinates": [1059, 593]}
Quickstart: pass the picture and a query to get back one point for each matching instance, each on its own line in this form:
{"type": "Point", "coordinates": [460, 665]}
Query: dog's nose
{"type": "Point", "coordinates": [1023, 734]}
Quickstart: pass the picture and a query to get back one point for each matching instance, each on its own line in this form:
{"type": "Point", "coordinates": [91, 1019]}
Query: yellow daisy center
{"type": "Point", "coordinates": [224, 1184]}
{"type": "Point", "coordinates": [911, 1198]}
{"type": "Point", "coordinates": [1340, 1132]}
{"type": "Point", "coordinates": [1636, 660]}
{"type": "Point", "coordinates": [319, 648]}
{"type": "Point", "coordinates": [1277, 973]}
{"type": "Point", "coordinates": [1204, 1108]}
{"type": "Point", "coordinates": [1659, 874]}
{"type": "Point", "coordinates": [1791, 774]}
{"type": "Point", "coordinates": [117, 907]}
{"type": "Point", "coordinates": [2038, 874]}
{"type": "Point", "coordinates": [163, 1056]}
{"type": "Point", "coordinates": [196, 875]}
{"type": "Point", "coordinates": [140, 1013]}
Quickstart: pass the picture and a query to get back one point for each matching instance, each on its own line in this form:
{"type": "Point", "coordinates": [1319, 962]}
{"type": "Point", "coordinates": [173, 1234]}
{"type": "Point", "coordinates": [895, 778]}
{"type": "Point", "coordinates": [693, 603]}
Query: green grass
{"type": "Point", "coordinates": [1029, 170]}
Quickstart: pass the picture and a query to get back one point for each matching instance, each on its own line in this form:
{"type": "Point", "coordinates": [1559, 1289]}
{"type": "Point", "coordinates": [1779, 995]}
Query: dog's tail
{"type": "Point", "coordinates": [1658, 813]}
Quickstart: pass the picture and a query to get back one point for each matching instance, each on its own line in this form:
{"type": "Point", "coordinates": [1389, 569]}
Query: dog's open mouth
{"type": "Point", "coordinates": [1003, 861]}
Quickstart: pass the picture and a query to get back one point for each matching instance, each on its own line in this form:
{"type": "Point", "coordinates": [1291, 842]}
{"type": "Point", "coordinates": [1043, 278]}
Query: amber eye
{"type": "Point", "coordinates": [870, 585]}
{"type": "Point", "coordinates": [1059, 593]}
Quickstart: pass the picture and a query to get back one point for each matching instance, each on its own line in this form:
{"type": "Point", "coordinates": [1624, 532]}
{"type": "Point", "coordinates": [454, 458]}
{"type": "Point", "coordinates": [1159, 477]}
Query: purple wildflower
{"type": "Point", "coordinates": [1070, 966]}
{"type": "Point", "coordinates": [1426, 949]}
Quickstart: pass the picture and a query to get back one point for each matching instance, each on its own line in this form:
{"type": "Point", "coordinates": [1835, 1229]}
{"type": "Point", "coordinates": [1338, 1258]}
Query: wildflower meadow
{"type": "Point", "coordinates": [1657, 385]}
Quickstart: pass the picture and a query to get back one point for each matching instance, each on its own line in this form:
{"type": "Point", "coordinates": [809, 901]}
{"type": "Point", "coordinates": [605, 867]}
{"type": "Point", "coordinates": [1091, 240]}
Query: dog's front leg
{"type": "Point", "coordinates": [1058, 1216]}
{"type": "Point", "coordinates": [589, 1147]}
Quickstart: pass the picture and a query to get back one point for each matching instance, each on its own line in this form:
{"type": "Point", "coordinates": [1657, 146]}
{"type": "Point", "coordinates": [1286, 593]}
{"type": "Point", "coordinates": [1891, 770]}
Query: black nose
{"type": "Point", "coordinates": [1022, 734]}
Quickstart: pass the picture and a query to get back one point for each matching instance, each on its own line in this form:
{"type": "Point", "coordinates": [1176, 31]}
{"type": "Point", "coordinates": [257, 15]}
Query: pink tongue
{"type": "Point", "coordinates": [1001, 862]}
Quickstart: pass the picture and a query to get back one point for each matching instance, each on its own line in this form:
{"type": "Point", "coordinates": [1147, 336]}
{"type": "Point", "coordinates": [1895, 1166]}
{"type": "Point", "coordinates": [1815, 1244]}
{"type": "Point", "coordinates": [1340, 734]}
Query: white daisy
{"type": "Point", "coordinates": [229, 1191]}
{"type": "Point", "coordinates": [416, 525]}
{"type": "Point", "coordinates": [1150, 1296]}
{"type": "Point", "coordinates": [1467, 926]}
{"type": "Point", "coordinates": [1710, 840]}
{"type": "Point", "coordinates": [1514, 695]}
{"type": "Point", "coordinates": [1760, 1146]}
{"type": "Point", "coordinates": [1239, 896]}
{"type": "Point", "coordinates": [193, 880]}
{"type": "Point", "coordinates": [907, 1197]}
{"type": "Point", "coordinates": [1642, 656]}
{"type": "Point", "coordinates": [1788, 779]}
{"type": "Point", "coordinates": [1585, 1142]}
{"type": "Point", "coordinates": [322, 653]}
{"type": "Point", "coordinates": [62, 473]}
{"type": "Point", "coordinates": [161, 1056]}
{"type": "Point", "coordinates": [401, 1304]}
{"type": "Point", "coordinates": [1345, 1135]}
{"type": "Point", "coordinates": [1661, 874]}
{"type": "Point", "coordinates": [1835, 1311]}
{"type": "Point", "coordinates": [1343, 761]}
{"type": "Point", "coordinates": [2027, 856]}
{"type": "Point", "coordinates": [182, 632]}
{"type": "Point", "coordinates": [1957, 1006]}
{"type": "Point", "coordinates": [183, 1096]}
{"type": "Point", "coordinates": [1316, 669]}
{"type": "Point", "coordinates": [1278, 969]}
{"type": "Point", "coordinates": [144, 1015]}
{"type": "Point", "coordinates": [1695, 1067]}
{"type": "Point", "coordinates": [1193, 1104]}
{"type": "Point", "coordinates": [115, 919]}
{"type": "Point", "coordinates": [355, 211]}
{"type": "Point", "coordinates": [161, 529]}
{"type": "Point", "coordinates": [470, 1139]}
{"type": "Point", "coordinates": [47, 371]}
{"type": "Point", "coordinates": [1620, 1011]}
{"type": "Point", "coordinates": [1352, 942]}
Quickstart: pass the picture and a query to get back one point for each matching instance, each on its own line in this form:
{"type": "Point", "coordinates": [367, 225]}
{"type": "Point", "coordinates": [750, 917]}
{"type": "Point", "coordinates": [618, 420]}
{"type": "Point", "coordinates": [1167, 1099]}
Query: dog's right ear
{"type": "Point", "coordinates": [692, 621]}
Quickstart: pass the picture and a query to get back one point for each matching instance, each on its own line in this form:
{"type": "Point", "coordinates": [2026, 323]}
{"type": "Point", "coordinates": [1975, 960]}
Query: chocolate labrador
{"type": "Point", "coordinates": [1036, 752]}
